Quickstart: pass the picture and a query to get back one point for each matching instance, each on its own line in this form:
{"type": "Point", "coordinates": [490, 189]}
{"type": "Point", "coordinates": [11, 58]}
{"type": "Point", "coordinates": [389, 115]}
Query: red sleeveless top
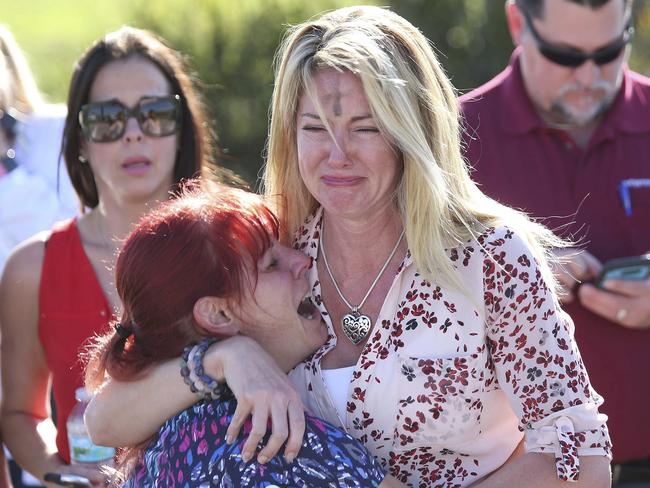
{"type": "Point", "coordinates": [72, 308]}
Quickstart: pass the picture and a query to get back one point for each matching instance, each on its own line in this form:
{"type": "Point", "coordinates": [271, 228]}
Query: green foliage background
{"type": "Point", "coordinates": [230, 44]}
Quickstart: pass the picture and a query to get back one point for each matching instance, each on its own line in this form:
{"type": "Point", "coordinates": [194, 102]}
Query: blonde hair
{"type": "Point", "coordinates": [416, 106]}
{"type": "Point", "coordinates": [17, 86]}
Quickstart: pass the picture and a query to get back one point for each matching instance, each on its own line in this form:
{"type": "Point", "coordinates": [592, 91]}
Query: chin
{"type": "Point", "coordinates": [314, 330]}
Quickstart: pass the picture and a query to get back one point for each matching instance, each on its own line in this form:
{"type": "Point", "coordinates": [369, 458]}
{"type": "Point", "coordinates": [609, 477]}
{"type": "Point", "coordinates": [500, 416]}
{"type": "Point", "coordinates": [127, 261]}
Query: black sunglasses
{"type": "Point", "coordinates": [106, 121]}
{"type": "Point", "coordinates": [572, 58]}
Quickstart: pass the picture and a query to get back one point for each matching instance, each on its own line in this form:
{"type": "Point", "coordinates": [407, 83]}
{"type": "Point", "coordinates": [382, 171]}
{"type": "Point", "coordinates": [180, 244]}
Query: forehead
{"type": "Point", "coordinates": [331, 86]}
{"type": "Point", "coordinates": [128, 80]}
{"type": "Point", "coordinates": [575, 25]}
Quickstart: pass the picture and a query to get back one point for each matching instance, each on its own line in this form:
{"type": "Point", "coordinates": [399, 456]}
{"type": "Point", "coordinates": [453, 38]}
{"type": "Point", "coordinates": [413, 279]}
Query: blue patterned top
{"type": "Point", "coordinates": [190, 451]}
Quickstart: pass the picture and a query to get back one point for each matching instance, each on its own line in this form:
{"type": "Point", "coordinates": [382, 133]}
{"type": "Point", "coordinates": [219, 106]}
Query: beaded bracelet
{"type": "Point", "coordinates": [185, 370]}
{"type": "Point", "coordinates": [194, 375]}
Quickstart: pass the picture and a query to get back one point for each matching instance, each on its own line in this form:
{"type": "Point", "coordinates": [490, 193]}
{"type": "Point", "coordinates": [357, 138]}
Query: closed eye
{"type": "Point", "coordinates": [271, 265]}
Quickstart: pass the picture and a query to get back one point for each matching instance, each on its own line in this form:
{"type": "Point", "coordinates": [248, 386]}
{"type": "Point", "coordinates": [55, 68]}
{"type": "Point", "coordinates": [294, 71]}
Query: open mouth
{"type": "Point", "coordinates": [136, 165]}
{"type": "Point", "coordinates": [306, 308]}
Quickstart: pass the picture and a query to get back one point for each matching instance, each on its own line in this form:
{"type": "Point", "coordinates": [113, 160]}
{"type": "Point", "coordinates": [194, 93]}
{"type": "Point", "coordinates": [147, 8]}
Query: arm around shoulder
{"type": "Point", "coordinates": [151, 400]}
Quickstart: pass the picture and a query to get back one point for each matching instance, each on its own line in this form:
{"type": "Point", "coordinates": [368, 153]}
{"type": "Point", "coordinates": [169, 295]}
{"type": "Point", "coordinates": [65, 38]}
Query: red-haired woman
{"type": "Point", "coordinates": [204, 266]}
{"type": "Point", "coordinates": [134, 130]}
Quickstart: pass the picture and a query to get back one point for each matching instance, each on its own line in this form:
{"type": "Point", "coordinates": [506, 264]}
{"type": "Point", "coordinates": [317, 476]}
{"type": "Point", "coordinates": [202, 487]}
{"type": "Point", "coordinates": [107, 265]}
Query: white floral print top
{"type": "Point", "coordinates": [446, 386]}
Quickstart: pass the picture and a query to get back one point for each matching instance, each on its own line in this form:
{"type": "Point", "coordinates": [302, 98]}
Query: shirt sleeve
{"type": "Point", "coordinates": [536, 358]}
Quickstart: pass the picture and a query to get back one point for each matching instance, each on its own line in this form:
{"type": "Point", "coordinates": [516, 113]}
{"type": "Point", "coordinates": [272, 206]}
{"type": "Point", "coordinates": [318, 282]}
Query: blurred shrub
{"type": "Point", "coordinates": [54, 33]}
{"type": "Point", "coordinates": [471, 37]}
{"type": "Point", "coordinates": [232, 45]}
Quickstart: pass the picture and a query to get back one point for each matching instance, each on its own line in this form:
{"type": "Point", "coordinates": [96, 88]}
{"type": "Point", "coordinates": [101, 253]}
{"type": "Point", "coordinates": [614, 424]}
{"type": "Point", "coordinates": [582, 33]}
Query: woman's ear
{"type": "Point", "coordinates": [213, 316]}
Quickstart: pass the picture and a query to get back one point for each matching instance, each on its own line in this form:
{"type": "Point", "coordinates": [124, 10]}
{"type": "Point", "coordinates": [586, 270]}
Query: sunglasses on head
{"type": "Point", "coordinates": [572, 58]}
{"type": "Point", "coordinates": [106, 121]}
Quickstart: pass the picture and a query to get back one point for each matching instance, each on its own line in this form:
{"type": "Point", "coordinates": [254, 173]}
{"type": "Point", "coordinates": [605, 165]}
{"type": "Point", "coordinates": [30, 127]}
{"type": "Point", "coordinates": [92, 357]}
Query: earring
{"type": "Point", "coordinates": [82, 159]}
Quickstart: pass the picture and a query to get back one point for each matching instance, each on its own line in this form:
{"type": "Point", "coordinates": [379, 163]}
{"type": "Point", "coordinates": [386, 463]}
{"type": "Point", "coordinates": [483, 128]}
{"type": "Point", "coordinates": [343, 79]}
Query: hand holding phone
{"type": "Point", "coordinates": [621, 292]}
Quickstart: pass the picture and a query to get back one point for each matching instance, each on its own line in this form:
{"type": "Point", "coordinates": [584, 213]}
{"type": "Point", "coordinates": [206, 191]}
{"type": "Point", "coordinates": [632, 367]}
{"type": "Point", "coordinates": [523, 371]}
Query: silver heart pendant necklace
{"type": "Point", "coordinates": [355, 325]}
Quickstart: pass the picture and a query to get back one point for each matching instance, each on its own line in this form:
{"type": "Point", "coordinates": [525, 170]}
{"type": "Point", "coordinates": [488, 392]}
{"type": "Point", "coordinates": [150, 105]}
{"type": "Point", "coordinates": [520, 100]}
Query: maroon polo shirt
{"type": "Point", "coordinates": [522, 163]}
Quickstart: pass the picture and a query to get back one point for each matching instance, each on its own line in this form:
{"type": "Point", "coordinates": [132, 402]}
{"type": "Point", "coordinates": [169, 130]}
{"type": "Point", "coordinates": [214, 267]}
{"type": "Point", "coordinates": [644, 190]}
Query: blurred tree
{"type": "Point", "coordinates": [232, 47]}
{"type": "Point", "coordinates": [473, 40]}
{"type": "Point", "coordinates": [471, 36]}
{"type": "Point", "coordinates": [54, 34]}
{"type": "Point", "coordinates": [640, 59]}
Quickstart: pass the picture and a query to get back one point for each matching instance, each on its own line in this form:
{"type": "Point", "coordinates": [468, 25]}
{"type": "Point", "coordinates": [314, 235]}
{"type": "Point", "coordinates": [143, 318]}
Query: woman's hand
{"type": "Point", "coordinates": [262, 390]}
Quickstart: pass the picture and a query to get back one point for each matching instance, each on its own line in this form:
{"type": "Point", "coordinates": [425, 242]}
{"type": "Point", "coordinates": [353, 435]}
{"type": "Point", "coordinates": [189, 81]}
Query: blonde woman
{"type": "Point", "coordinates": [447, 346]}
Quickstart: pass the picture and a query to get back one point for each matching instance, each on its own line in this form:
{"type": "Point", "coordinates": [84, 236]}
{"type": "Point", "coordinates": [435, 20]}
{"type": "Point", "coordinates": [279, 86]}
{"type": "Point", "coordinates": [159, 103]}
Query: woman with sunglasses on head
{"type": "Point", "coordinates": [231, 278]}
{"type": "Point", "coordinates": [135, 128]}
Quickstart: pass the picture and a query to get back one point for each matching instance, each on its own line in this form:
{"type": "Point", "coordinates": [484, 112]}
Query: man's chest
{"type": "Point", "coordinates": [578, 193]}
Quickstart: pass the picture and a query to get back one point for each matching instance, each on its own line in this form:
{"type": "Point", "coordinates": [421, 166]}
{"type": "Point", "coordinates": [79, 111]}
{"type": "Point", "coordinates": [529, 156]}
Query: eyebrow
{"type": "Point", "coordinates": [356, 118]}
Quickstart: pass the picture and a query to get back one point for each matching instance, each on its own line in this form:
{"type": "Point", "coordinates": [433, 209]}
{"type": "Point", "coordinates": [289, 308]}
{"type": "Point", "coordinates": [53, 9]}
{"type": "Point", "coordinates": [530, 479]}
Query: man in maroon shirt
{"type": "Point", "coordinates": [564, 134]}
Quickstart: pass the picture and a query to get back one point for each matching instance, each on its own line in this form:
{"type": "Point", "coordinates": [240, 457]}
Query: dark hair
{"type": "Point", "coordinates": [536, 7]}
{"type": "Point", "coordinates": [195, 141]}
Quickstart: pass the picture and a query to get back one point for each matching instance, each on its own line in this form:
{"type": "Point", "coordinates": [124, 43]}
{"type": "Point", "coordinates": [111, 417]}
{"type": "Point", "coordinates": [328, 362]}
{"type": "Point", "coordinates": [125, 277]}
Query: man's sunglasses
{"type": "Point", "coordinates": [572, 58]}
{"type": "Point", "coordinates": [106, 121]}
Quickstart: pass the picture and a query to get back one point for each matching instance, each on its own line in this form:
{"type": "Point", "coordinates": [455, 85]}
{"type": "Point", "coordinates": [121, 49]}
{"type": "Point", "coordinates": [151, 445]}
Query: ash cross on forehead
{"type": "Point", "coordinates": [338, 110]}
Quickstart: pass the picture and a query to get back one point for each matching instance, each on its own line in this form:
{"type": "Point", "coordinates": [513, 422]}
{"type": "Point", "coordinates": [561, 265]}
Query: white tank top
{"type": "Point", "coordinates": [337, 382]}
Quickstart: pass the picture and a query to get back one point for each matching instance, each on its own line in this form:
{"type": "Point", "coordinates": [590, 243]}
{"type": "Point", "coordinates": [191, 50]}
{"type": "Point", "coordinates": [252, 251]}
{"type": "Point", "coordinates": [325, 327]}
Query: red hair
{"type": "Point", "coordinates": [199, 244]}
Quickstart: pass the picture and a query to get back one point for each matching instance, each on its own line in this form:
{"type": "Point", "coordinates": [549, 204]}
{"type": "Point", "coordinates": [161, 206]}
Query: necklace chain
{"type": "Point", "coordinates": [374, 283]}
{"type": "Point", "coordinates": [107, 242]}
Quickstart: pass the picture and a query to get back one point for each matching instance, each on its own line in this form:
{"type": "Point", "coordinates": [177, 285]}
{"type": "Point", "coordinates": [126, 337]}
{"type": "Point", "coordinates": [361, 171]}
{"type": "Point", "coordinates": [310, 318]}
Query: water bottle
{"type": "Point", "coordinates": [82, 449]}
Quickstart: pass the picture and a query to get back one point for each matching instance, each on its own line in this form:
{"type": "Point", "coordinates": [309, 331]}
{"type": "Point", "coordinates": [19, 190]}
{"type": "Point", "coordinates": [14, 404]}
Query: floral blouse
{"type": "Point", "coordinates": [447, 386]}
{"type": "Point", "coordinates": [190, 451]}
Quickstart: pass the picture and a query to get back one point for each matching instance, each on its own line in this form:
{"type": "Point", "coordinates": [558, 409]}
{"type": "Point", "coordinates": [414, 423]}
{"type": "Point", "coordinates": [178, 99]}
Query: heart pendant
{"type": "Point", "coordinates": [355, 327]}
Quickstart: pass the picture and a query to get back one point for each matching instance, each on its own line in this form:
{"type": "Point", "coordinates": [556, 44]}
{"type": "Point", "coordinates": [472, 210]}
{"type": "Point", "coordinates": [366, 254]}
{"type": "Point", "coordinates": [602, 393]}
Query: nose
{"type": "Point", "coordinates": [297, 262]}
{"type": "Point", "coordinates": [132, 132]}
{"type": "Point", "coordinates": [587, 73]}
{"type": "Point", "coordinates": [339, 157]}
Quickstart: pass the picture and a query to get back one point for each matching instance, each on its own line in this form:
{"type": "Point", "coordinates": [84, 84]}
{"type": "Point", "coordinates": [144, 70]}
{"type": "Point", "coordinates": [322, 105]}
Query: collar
{"type": "Point", "coordinates": [630, 111]}
{"type": "Point", "coordinates": [518, 115]}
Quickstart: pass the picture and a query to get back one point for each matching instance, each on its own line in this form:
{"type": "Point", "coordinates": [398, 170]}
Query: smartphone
{"type": "Point", "coordinates": [70, 480]}
{"type": "Point", "coordinates": [635, 268]}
